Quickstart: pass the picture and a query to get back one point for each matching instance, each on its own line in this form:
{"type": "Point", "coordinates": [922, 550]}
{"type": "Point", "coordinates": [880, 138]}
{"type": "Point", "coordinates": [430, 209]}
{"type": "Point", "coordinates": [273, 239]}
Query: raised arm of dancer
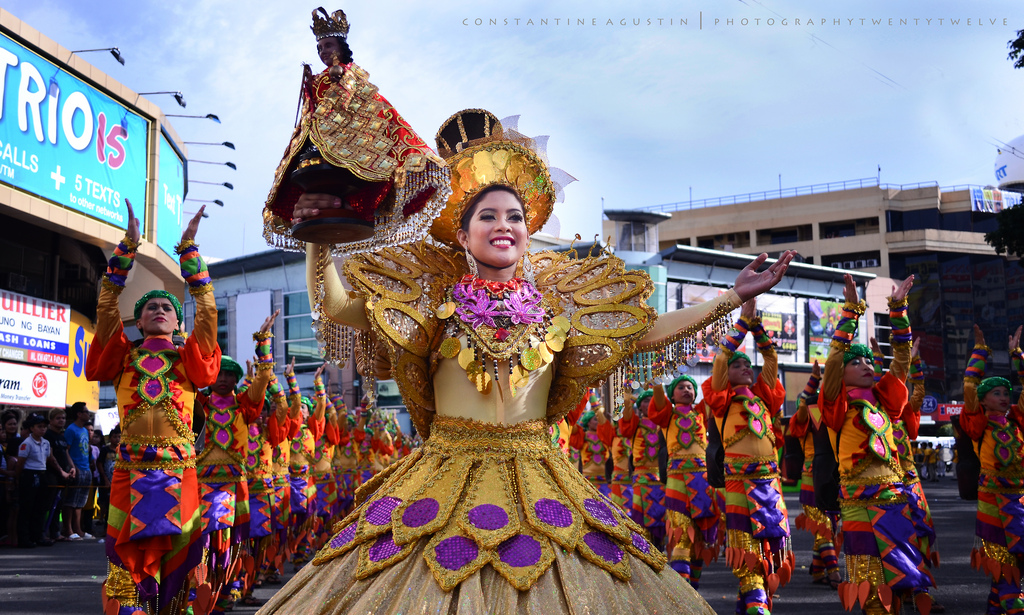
{"type": "Point", "coordinates": [340, 305]}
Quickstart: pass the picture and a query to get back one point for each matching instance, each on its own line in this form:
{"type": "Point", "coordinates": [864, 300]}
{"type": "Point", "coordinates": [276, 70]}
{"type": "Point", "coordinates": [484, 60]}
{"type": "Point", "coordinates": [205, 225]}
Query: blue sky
{"type": "Point", "coordinates": [639, 114]}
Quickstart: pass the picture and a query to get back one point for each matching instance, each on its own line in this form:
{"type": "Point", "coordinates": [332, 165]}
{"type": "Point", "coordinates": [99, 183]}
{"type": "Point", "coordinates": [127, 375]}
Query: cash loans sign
{"type": "Point", "coordinates": [64, 140]}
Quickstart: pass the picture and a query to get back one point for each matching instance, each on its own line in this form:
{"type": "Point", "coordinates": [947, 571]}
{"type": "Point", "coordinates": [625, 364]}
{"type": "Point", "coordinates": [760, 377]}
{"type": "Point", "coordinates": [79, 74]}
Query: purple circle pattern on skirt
{"type": "Point", "coordinates": [344, 537]}
{"type": "Point", "coordinates": [641, 543]}
{"type": "Point", "coordinates": [600, 543]}
{"type": "Point", "coordinates": [553, 512]}
{"type": "Point", "coordinates": [599, 511]}
{"type": "Point", "coordinates": [520, 551]}
{"type": "Point", "coordinates": [456, 552]}
{"type": "Point", "coordinates": [379, 513]}
{"type": "Point", "coordinates": [421, 512]}
{"type": "Point", "coordinates": [488, 517]}
{"type": "Point", "coordinates": [384, 548]}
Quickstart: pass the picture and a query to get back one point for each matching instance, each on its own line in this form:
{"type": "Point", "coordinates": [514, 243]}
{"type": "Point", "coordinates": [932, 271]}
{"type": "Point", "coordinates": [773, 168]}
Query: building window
{"type": "Point", "coordinates": [789, 234]}
{"type": "Point", "coordinates": [636, 236]}
{"type": "Point", "coordinates": [726, 241]}
{"type": "Point", "coordinates": [849, 228]}
{"type": "Point", "coordinates": [853, 260]}
{"type": "Point", "coordinates": [222, 325]}
{"type": "Point", "coordinates": [298, 333]}
{"type": "Point", "coordinates": [883, 334]}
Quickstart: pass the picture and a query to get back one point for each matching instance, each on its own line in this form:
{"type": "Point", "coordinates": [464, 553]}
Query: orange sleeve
{"type": "Point", "coordinates": [833, 411]}
{"type": "Point", "coordinates": [798, 428]}
{"type": "Point", "coordinates": [575, 414]}
{"type": "Point", "coordinates": [249, 408]}
{"type": "Point", "coordinates": [911, 420]}
{"type": "Point", "coordinates": [276, 432]}
{"type": "Point", "coordinates": [382, 447]}
{"type": "Point", "coordinates": [293, 428]}
{"type": "Point", "coordinates": [660, 411]}
{"type": "Point", "coordinates": [627, 427]}
{"type": "Point", "coordinates": [332, 434]}
{"type": "Point", "coordinates": [316, 427]}
{"type": "Point", "coordinates": [606, 431]}
{"type": "Point", "coordinates": [576, 439]}
{"type": "Point", "coordinates": [892, 395]}
{"type": "Point", "coordinates": [716, 401]}
{"type": "Point", "coordinates": [359, 434]}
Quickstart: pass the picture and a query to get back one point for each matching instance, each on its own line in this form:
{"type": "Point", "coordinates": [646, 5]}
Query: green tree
{"type": "Point", "coordinates": [1009, 235]}
{"type": "Point", "coordinates": [1017, 50]}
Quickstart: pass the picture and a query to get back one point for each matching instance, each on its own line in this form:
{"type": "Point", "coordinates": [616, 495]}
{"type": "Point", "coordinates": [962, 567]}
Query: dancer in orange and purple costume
{"type": "Point", "coordinates": [154, 522]}
{"type": "Point", "coordinates": [996, 425]}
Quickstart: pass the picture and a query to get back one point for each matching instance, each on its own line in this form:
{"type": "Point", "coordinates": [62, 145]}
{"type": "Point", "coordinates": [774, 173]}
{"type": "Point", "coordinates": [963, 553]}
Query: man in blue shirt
{"type": "Point", "coordinates": [77, 492]}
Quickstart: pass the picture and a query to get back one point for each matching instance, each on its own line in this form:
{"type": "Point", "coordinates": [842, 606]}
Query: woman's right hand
{"type": "Point", "coordinates": [979, 337]}
{"type": "Point", "coordinates": [133, 224]}
{"type": "Point", "coordinates": [310, 204]}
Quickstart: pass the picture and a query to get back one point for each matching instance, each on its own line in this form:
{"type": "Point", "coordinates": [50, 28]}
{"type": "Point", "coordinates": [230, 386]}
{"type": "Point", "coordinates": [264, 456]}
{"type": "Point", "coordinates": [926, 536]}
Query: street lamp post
{"type": "Point", "coordinates": [226, 144]}
{"type": "Point", "coordinates": [227, 164]}
{"type": "Point", "coordinates": [114, 51]}
{"type": "Point", "coordinates": [178, 96]}
{"type": "Point", "coordinates": [208, 116]}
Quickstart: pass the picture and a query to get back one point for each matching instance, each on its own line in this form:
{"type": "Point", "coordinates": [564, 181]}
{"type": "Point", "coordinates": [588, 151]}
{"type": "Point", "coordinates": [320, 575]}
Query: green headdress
{"type": "Point", "coordinates": [858, 350]}
{"type": "Point", "coordinates": [232, 366]}
{"type": "Point", "coordinates": [160, 294]}
{"type": "Point", "coordinates": [988, 384]}
{"type": "Point", "coordinates": [585, 419]}
{"type": "Point", "coordinates": [739, 355]}
{"type": "Point", "coordinates": [308, 403]}
{"type": "Point", "coordinates": [685, 377]}
{"type": "Point", "coordinates": [649, 393]}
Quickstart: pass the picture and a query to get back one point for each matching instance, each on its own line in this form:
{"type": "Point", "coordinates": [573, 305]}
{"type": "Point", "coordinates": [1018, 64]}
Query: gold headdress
{"type": "Point", "coordinates": [482, 151]}
{"type": "Point", "coordinates": [335, 24]}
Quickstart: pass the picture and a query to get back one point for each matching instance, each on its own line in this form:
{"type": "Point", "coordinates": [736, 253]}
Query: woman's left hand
{"type": "Point", "coordinates": [749, 283]}
{"type": "Point", "coordinates": [899, 293]}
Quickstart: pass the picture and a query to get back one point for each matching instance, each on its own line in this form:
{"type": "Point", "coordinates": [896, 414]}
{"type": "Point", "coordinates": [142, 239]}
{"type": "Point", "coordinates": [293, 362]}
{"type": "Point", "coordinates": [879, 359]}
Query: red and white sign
{"type": "Point", "coordinates": [944, 411]}
{"type": "Point", "coordinates": [34, 330]}
{"type": "Point", "coordinates": [28, 385]}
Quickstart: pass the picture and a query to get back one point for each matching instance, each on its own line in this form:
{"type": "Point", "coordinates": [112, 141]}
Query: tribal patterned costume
{"type": "Point", "coordinates": [154, 521]}
{"type": "Point", "coordinates": [999, 548]}
{"type": "Point", "coordinates": [593, 451]}
{"type": "Point", "coordinates": [756, 519]}
{"type": "Point", "coordinates": [692, 513]}
{"type": "Point", "coordinates": [323, 475]}
{"type": "Point", "coordinates": [344, 461]}
{"type": "Point", "coordinates": [824, 563]}
{"type": "Point", "coordinates": [904, 431]}
{"type": "Point", "coordinates": [264, 435]}
{"type": "Point", "coordinates": [300, 478]}
{"type": "Point", "coordinates": [281, 520]}
{"type": "Point", "coordinates": [620, 490]}
{"type": "Point", "coordinates": [648, 507]}
{"type": "Point", "coordinates": [223, 485]}
{"type": "Point", "coordinates": [879, 538]}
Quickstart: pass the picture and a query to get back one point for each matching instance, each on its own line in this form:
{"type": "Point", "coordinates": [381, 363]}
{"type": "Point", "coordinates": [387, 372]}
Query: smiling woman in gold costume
{"type": "Point", "coordinates": [490, 345]}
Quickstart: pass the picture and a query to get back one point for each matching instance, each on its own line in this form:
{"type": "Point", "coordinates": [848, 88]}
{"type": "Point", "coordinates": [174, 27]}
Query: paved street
{"type": "Point", "coordinates": [66, 578]}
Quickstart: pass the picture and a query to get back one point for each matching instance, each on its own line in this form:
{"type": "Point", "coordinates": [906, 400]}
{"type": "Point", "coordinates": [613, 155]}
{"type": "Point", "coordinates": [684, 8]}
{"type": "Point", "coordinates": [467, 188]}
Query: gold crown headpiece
{"type": "Point", "coordinates": [335, 24]}
{"type": "Point", "coordinates": [483, 151]}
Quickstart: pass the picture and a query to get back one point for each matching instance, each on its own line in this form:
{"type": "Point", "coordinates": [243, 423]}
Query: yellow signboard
{"type": "Point", "coordinates": [79, 388]}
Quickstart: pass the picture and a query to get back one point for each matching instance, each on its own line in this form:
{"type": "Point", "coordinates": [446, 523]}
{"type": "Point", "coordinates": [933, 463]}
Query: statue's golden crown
{"type": "Point", "coordinates": [324, 25]}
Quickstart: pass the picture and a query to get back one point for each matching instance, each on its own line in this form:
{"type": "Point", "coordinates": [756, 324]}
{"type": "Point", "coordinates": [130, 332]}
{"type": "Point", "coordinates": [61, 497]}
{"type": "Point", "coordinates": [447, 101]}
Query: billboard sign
{"type": "Point", "coordinates": [28, 385]}
{"type": "Point", "coordinates": [81, 388]}
{"type": "Point", "coordinates": [822, 318]}
{"type": "Point", "coordinates": [63, 140]}
{"type": "Point", "coordinates": [34, 330]}
{"type": "Point", "coordinates": [781, 328]}
{"type": "Point", "coordinates": [170, 197]}
{"type": "Point", "coordinates": [992, 201]}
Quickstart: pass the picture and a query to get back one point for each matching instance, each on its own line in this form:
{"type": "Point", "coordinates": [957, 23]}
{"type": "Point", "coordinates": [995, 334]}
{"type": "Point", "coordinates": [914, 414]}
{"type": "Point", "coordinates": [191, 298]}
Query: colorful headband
{"type": "Point", "coordinates": [739, 354]}
{"type": "Point", "coordinates": [988, 384]}
{"type": "Point", "coordinates": [586, 418]}
{"type": "Point", "coordinates": [685, 377]}
{"type": "Point", "coordinates": [307, 402]}
{"type": "Point", "coordinates": [644, 396]}
{"type": "Point", "coordinates": [160, 294]}
{"type": "Point", "coordinates": [232, 366]}
{"type": "Point", "coordinates": [858, 350]}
